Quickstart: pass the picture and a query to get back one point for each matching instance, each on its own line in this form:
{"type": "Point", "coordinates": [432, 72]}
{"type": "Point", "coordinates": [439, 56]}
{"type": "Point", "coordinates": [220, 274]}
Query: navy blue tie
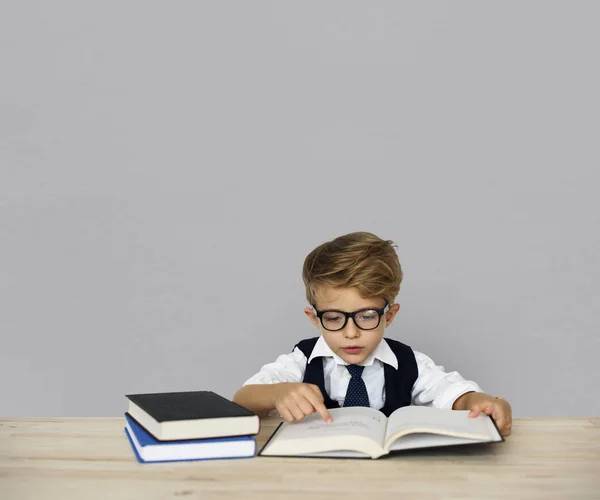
{"type": "Point", "coordinates": [357, 390]}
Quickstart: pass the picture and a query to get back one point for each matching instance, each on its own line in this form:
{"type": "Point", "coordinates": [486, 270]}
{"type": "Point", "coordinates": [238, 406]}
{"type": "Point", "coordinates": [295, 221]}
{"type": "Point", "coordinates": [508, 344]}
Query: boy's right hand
{"type": "Point", "coordinates": [296, 400]}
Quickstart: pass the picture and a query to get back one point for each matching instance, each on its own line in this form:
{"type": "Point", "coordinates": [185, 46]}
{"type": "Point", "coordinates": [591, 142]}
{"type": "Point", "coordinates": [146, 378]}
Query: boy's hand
{"type": "Point", "coordinates": [294, 401]}
{"type": "Point", "coordinates": [478, 402]}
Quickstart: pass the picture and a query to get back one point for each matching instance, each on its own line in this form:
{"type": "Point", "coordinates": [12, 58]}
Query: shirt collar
{"type": "Point", "coordinates": [382, 352]}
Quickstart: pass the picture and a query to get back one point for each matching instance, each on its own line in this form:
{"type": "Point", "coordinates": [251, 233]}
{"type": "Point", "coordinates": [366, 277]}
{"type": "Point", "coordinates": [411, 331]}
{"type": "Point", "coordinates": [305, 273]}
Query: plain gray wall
{"type": "Point", "coordinates": [166, 167]}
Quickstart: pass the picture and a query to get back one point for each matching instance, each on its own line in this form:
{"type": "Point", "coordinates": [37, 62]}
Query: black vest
{"type": "Point", "coordinates": [398, 383]}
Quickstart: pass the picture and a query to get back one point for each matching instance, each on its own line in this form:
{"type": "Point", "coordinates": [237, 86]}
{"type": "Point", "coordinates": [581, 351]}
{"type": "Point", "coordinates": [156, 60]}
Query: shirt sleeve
{"type": "Point", "coordinates": [286, 368]}
{"type": "Point", "coordinates": [436, 388]}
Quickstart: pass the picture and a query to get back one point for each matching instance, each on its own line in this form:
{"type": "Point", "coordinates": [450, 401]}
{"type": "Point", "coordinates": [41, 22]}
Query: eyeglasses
{"type": "Point", "coordinates": [365, 319]}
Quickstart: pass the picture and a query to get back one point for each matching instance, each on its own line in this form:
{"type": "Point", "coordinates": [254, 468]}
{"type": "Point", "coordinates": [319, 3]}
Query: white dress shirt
{"type": "Point", "coordinates": [433, 387]}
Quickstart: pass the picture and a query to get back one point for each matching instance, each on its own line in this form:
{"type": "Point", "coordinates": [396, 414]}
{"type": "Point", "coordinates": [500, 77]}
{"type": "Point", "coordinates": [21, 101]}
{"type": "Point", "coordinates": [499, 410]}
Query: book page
{"type": "Point", "coordinates": [447, 422]}
{"type": "Point", "coordinates": [350, 429]}
{"type": "Point", "coordinates": [426, 440]}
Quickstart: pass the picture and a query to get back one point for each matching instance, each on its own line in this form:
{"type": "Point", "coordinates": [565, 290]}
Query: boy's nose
{"type": "Point", "coordinates": [351, 330]}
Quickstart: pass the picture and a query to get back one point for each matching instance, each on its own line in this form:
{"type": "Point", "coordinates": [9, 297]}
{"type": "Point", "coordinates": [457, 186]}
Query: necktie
{"type": "Point", "coordinates": [357, 390]}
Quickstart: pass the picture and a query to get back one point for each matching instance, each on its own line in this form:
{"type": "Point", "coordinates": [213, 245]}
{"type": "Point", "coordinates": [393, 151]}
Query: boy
{"type": "Point", "coordinates": [351, 283]}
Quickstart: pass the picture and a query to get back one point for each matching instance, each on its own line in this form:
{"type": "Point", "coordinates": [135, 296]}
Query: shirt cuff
{"type": "Point", "coordinates": [450, 395]}
{"type": "Point", "coordinates": [261, 378]}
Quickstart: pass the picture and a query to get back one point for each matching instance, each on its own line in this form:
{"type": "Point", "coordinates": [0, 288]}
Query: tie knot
{"type": "Point", "coordinates": [355, 370]}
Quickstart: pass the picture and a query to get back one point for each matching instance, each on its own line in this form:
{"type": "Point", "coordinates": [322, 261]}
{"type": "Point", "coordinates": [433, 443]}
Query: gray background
{"type": "Point", "coordinates": [166, 167]}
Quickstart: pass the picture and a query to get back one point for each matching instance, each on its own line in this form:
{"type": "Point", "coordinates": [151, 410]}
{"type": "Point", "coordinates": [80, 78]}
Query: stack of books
{"type": "Point", "coordinates": [195, 425]}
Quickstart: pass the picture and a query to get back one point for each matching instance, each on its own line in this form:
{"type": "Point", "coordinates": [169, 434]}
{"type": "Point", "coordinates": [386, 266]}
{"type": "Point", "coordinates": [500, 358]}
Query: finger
{"type": "Point", "coordinates": [482, 407]}
{"type": "Point", "coordinates": [320, 407]}
{"type": "Point", "coordinates": [285, 413]}
{"type": "Point", "coordinates": [315, 389]}
{"type": "Point", "coordinates": [317, 401]}
{"type": "Point", "coordinates": [475, 411]}
{"type": "Point", "coordinates": [508, 411]}
{"type": "Point", "coordinates": [501, 424]}
{"type": "Point", "coordinates": [508, 414]}
{"type": "Point", "coordinates": [305, 405]}
{"type": "Point", "coordinates": [295, 410]}
{"type": "Point", "coordinates": [324, 412]}
{"type": "Point", "coordinates": [502, 419]}
{"type": "Point", "coordinates": [491, 410]}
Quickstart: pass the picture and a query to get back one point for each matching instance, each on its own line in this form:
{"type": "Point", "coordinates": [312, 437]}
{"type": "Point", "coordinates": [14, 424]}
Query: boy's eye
{"type": "Point", "coordinates": [368, 315]}
{"type": "Point", "coordinates": [332, 318]}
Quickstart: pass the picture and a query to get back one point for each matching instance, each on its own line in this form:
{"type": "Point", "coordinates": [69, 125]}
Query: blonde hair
{"type": "Point", "coordinates": [360, 260]}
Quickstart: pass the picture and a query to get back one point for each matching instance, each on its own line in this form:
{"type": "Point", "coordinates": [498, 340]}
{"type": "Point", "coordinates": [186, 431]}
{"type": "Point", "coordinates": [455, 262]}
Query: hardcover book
{"type": "Point", "coordinates": [364, 432]}
{"type": "Point", "coordinates": [149, 449]}
{"type": "Point", "coordinates": [172, 416]}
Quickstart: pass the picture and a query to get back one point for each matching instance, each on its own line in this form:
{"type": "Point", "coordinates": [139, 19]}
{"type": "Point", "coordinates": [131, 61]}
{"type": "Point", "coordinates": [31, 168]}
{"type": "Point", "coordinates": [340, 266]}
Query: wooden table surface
{"type": "Point", "coordinates": [90, 458]}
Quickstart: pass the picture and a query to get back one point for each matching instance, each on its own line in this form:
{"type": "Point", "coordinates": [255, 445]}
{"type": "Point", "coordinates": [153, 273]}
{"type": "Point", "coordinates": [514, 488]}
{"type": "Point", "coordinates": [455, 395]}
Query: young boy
{"type": "Point", "coordinates": [351, 283]}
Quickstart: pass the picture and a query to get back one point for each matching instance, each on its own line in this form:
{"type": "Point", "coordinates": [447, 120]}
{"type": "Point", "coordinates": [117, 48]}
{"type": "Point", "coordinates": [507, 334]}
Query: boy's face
{"type": "Point", "coordinates": [350, 343]}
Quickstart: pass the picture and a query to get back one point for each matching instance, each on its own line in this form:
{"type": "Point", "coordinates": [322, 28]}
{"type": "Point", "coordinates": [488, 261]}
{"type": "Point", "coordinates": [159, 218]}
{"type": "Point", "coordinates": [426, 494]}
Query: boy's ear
{"type": "Point", "coordinates": [312, 316]}
{"type": "Point", "coordinates": [391, 314]}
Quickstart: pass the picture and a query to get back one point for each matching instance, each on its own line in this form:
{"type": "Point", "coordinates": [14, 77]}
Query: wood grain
{"type": "Point", "coordinates": [90, 458]}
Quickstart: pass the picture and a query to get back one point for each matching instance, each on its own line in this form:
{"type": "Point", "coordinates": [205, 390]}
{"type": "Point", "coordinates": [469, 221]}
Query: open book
{"type": "Point", "coordinates": [364, 432]}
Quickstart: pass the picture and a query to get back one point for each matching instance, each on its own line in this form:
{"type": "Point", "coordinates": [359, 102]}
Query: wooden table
{"type": "Point", "coordinates": [90, 458]}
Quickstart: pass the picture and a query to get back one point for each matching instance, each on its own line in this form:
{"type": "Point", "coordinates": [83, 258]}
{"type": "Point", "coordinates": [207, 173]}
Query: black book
{"type": "Point", "coordinates": [171, 416]}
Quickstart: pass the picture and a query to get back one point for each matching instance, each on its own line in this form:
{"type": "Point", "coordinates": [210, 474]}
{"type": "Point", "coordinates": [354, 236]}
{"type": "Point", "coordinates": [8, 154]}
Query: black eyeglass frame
{"type": "Point", "coordinates": [380, 311]}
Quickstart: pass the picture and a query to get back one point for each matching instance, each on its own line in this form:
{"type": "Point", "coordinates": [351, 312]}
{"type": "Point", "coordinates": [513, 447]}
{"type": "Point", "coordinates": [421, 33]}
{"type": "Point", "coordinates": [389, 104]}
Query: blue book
{"type": "Point", "coordinates": [149, 449]}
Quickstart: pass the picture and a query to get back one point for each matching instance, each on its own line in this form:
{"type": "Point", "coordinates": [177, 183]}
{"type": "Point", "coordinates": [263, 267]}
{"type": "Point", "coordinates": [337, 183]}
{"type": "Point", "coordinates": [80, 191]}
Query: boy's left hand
{"type": "Point", "coordinates": [497, 408]}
